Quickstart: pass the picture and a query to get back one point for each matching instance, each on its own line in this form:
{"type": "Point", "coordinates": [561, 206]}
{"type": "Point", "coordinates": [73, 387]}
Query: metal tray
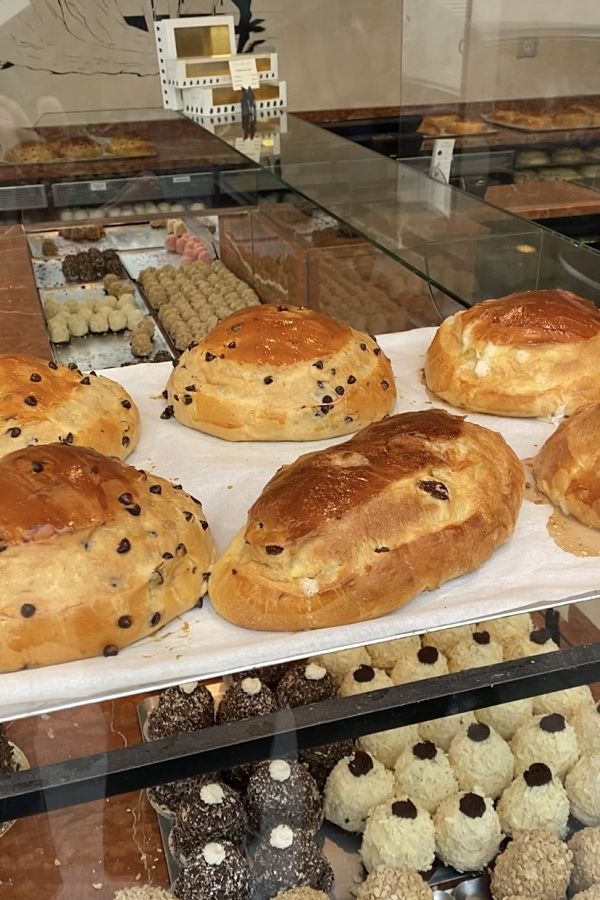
{"type": "Point", "coordinates": [136, 260]}
{"type": "Point", "coordinates": [64, 247]}
{"type": "Point", "coordinates": [136, 237]}
{"type": "Point", "coordinates": [493, 121]}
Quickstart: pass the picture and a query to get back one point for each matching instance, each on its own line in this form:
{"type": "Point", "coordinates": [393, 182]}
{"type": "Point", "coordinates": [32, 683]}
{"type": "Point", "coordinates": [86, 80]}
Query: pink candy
{"type": "Point", "coordinates": [171, 243]}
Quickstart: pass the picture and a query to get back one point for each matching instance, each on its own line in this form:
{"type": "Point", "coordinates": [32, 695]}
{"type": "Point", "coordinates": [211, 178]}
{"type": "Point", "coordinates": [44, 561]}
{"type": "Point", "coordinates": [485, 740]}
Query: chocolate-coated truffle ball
{"type": "Point", "coordinates": [214, 813]}
{"type": "Point", "coordinates": [188, 707]}
{"type": "Point", "coordinates": [167, 798]}
{"type": "Point", "coordinates": [284, 791]}
{"type": "Point", "coordinates": [269, 675]}
{"type": "Point", "coordinates": [306, 683]}
{"type": "Point", "coordinates": [246, 699]}
{"type": "Point", "coordinates": [321, 760]}
{"type": "Point", "coordinates": [288, 858]}
{"type": "Point", "coordinates": [218, 870]}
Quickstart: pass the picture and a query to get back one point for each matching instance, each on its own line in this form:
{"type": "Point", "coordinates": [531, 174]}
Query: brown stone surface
{"type": "Point", "coordinates": [22, 327]}
{"type": "Point", "coordinates": [545, 199]}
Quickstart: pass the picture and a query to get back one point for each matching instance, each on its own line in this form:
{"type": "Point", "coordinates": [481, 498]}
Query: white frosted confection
{"type": "Point", "coordinates": [338, 664]}
{"type": "Point", "coordinates": [281, 837]}
{"type": "Point", "coordinates": [353, 682]}
{"type": "Point", "coordinates": [117, 320]}
{"type": "Point", "coordinates": [426, 781]}
{"type": "Point", "coordinates": [143, 892]}
{"type": "Point", "coordinates": [523, 644]}
{"type": "Point", "coordinates": [470, 654]}
{"type": "Point", "coordinates": [99, 322]}
{"type": "Point", "coordinates": [58, 330]}
{"type": "Point", "coordinates": [441, 731]}
{"type": "Point", "coordinates": [108, 302]}
{"type": "Point", "coordinates": [420, 665]}
{"type": "Point", "coordinates": [212, 794]}
{"type": "Point", "coordinates": [386, 746]}
{"type": "Point", "coordinates": [398, 833]}
{"type": "Point", "coordinates": [447, 638]}
{"type": "Point", "coordinates": [52, 308]}
{"type": "Point", "coordinates": [485, 766]}
{"type": "Point", "coordinates": [558, 749]}
{"type": "Point", "coordinates": [565, 702]}
{"type": "Point", "coordinates": [386, 654]}
{"type": "Point", "coordinates": [507, 629]}
{"type": "Point", "coordinates": [78, 326]}
{"type": "Point", "coordinates": [465, 843]}
{"type": "Point", "coordinates": [280, 770]}
{"type": "Point", "coordinates": [134, 317]}
{"type": "Point", "coordinates": [348, 798]}
{"type": "Point", "coordinates": [583, 789]}
{"type": "Point", "coordinates": [314, 672]}
{"type": "Point", "coordinates": [592, 893]}
{"type": "Point", "coordinates": [213, 854]}
{"type": "Point", "coordinates": [544, 806]}
{"type": "Point", "coordinates": [506, 717]}
{"type": "Point", "coordinates": [587, 728]}
{"type": "Point", "coordinates": [189, 687]}
{"type": "Point", "coordinates": [251, 686]}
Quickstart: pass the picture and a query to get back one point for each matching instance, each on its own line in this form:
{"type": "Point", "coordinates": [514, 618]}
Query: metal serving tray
{"type": "Point", "coordinates": [64, 246]}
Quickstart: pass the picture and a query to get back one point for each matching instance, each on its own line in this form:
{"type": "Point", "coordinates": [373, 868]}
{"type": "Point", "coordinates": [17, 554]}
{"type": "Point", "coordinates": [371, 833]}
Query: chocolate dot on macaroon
{"type": "Point", "coordinates": [481, 637]}
{"type": "Point", "coordinates": [428, 655]}
{"type": "Point", "coordinates": [537, 775]}
{"type": "Point", "coordinates": [28, 610]}
{"type": "Point", "coordinates": [478, 732]}
{"type": "Point", "coordinates": [404, 809]}
{"type": "Point", "coordinates": [424, 750]}
{"type": "Point", "coordinates": [364, 674]}
{"type": "Point", "coordinates": [553, 723]}
{"type": "Point", "coordinates": [360, 764]}
{"type": "Point", "coordinates": [472, 806]}
{"type": "Point", "coordinates": [540, 636]}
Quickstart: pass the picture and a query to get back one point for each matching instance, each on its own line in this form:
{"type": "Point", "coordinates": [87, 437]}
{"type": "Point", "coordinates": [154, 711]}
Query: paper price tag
{"type": "Point", "coordinates": [181, 179]}
{"type": "Point", "coordinates": [250, 147]}
{"type": "Point", "coordinates": [97, 186]}
{"type": "Point", "coordinates": [244, 73]}
{"type": "Point", "coordinates": [441, 159]}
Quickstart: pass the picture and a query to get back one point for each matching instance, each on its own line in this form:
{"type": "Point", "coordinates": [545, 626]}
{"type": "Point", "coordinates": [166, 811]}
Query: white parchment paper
{"type": "Point", "coordinates": [529, 571]}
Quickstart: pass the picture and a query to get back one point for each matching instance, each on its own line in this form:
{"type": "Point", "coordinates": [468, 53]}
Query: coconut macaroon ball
{"type": "Point", "coordinates": [585, 848]}
{"type": "Point", "coordinates": [537, 641]}
{"type": "Point", "coordinates": [356, 784]}
{"type": "Point", "coordinates": [586, 723]}
{"type": "Point", "coordinates": [343, 661]}
{"type": "Point", "coordinates": [446, 639]}
{"type": "Point", "coordinates": [424, 773]}
{"type": "Point", "coordinates": [548, 739]}
{"type": "Point", "coordinates": [583, 789]}
{"type": "Point", "coordinates": [505, 630]}
{"type": "Point", "coordinates": [475, 651]}
{"type": "Point", "coordinates": [301, 893]}
{"type": "Point", "coordinates": [535, 864]}
{"type": "Point", "coordinates": [535, 799]}
{"type": "Point", "coordinates": [565, 702]}
{"type": "Point", "coordinates": [386, 746]}
{"type": "Point", "coordinates": [442, 731]}
{"type": "Point", "coordinates": [427, 662]}
{"type": "Point", "coordinates": [506, 718]}
{"type": "Point", "coordinates": [144, 892]}
{"type": "Point", "coordinates": [398, 833]}
{"type": "Point", "coordinates": [394, 883]}
{"type": "Point", "coordinates": [592, 893]}
{"type": "Point", "coordinates": [386, 655]}
{"type": "Point", "coordinates": [467, 831]}
{"type": "Point", "coordinates": [482, 760]}
{"type": "Point", "coordinates": [363, 679]}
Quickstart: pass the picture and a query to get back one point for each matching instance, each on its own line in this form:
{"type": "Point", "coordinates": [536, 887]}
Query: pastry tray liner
{"type": "Point", "coordinates": [528, 572]}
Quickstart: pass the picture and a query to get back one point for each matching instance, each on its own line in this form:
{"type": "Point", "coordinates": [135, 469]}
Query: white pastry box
{"type": "Point", "coordinates": [207, 71]}
{"type": "Point", "coordinates": [218, 100]}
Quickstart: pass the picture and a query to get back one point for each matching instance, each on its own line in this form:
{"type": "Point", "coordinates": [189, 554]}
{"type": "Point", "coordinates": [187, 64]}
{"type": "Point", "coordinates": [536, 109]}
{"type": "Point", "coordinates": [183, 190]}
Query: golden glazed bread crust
{"type": "Point", "coordinates": [355, 531]}
{"type": "Point", "coordinates": [93, 555]}
{"type": "Point", "coordinates": [278, 373]}
{"type": "Point", "coordinates": [41, 402]}
{"type": "Point", "coordinates": [567, 468]}
{"type": "Point", "coordinates": [532, 353]}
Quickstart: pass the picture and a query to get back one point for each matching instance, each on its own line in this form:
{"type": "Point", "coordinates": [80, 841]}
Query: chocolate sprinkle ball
{"type": "Point", "coordinates": [321, 760]}
{"type": "Point", "coordinates": [284, 791]}
{"type": "Point", "coordinates": [305, 683]}
{"type": "Point", "coordinates": [188, 707]}
{"type": "Point", "coordinates": [269, 675]}
{"type": "Point", "coordinates": [7, 762]}
{"type": "Point", "coordinates": [167, 798]}
{"type": "Point", "coordinates": [285, 859]}
{"type": "Point", "coordinates": [218, 870]}
{"type": "Point", "coordinates": [245, 699]}
{"type": "Point", "coordinates": [213, 812]}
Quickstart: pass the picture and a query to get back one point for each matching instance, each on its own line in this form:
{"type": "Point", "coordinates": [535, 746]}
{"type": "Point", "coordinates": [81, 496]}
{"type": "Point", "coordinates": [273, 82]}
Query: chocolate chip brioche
{"type": "Point", "coordinates": [357, 530]}
{"type": "Point", "coordinates": [42, 402]}
{"type": "Point", "coordinates": [93, 555]}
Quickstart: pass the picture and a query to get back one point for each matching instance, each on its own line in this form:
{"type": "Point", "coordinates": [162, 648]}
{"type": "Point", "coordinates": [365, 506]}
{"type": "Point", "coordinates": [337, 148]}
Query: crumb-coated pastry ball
{"type": "Point", "coordinates": [341, 662]}
{"type": "Point", "coordinates": [283, 791]}
{"type": "Point", "coordinates": [320, 761]}
{"type": "Point", "coordinates": [96, 555]}
{"type": "Point", "coordinates": [386, 654]}
{"type": "Point", "coordinates": [301, 893]}
{"type": "Point", "coordinates": [586, 722]}
{"type": "Point", "coordinates": [287, 858]}
{"type": "Point", "coordinates": [218, 870]}
{"type": "Point", "coordinates": [427, 662]}
{"type": "Point", "coordinates": [363, 679]}
{"type": "Point", "coordinates": [7, 760]}
{"type": "Point", "coordinates": [394, 883]}
{"type": "Point", "coordinates": [215, 812]}
{"type": "Point", "coordinates": [536, 864]}
{"type": "Point", "coordinates": [548, 739]}
{"type": "Point", "coordinates": [145, 892]}
{"type": "Point", "coordinates": [535, 799]}
{"type": "Point", "coordinates": [532, 353]}
{"type": "Point", "coordinates": [585, 847]}
{"type": "Point", "coordinates": [167, 798]}
{"type": "Point", "coordinates": [58, 330]}
{"type": "Point", "coordinates": [98, 323]}
{"type": "Point", "coordinates": [565, 702]}
{"type": "Point", "coordinates": [447, 638]}
{"type": "Point", "coordinates": [533, 644]}
{"type": "Point", "coordinates": [245, 699]}
{"type": "Point", "coordinates": [442, 731]}
{"type": "Point", "coordinates": [279, 373]}
{"type": "Point", "coordinates": [506, 718]}
{"type": "Point", "coordinates": [42, 402]}
{"type": "Point", "coordinates": [424, 773]}
{"type": "Point", "coordinates": [305, 683]}
{"type": "Point", "coordinates": [467, 831]}
{"type": "Point", "coordinates": [592, 893]}
{"type": "Point", "coordinates": [583, 789]}
{"type": "Point", "coordinates": [482, 760]}
{"type": "Point", "coordinates": [386, 746]}
{"type": "Point", "coordinates": [504, 630]}
{"type": "Point", "coordinates": [477, 650]}
{"type": "Point", "coordinates": [356, 784]}
{"type": "Point", "coordinates": [187, 707]}
{"type": "Point", "coordinates": [269, 675]}
{"type": "Point", "coordinates": [398, 833]}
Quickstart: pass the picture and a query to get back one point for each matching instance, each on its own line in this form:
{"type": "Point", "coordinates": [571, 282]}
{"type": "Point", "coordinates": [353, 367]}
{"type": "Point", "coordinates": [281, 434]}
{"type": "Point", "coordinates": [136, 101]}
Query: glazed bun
{"type": "Point", "coordinates": [281, 373]}
{"type": "Point", "coordinates": [357, 530]}
{"type": "Point", "coordinates": [94, 555]}
{"type": "Point", "coordinates": [567, 468]}
{"type": "Point", "coordinates": [533, 353]}
{"type": "Point", "coordinates": [43, 402]}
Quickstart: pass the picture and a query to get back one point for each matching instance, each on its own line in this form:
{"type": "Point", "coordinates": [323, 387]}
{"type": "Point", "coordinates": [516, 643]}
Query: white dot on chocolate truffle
{"type": "Point", "coordinates": [213, 854]}
{"type": "Point", "coordinates": [314, 672]}
{"type": "Point", "coordinates": [251, 686]}
{"type": "Point", "coordinates": [282, 837]}
{"type": "Point", "coordinates": [188, 688]}
{"type": "Point", "coordinates": [211, 794]}
{"type": "Point", "coordinates": [280, 770]}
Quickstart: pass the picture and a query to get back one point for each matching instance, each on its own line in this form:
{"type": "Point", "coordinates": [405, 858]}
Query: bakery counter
{"type": "Point", "coordinates": [22, 322]}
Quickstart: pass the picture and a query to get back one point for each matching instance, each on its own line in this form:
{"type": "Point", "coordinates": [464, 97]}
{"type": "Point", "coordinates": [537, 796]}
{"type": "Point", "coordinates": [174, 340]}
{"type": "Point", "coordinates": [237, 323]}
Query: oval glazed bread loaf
{"type": "Point", "coordinates": [93, 555]}
{"type": "Point", "coordinates": [354, 531]}
{"type": "Point", "coordinates": [42, 402]}
{"type": "Point", "coordinates": [278, 373]}
{"type": "Point", "coordinates": [567, 468]}
{"type": "Point", "coordinates": [533, 353]}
